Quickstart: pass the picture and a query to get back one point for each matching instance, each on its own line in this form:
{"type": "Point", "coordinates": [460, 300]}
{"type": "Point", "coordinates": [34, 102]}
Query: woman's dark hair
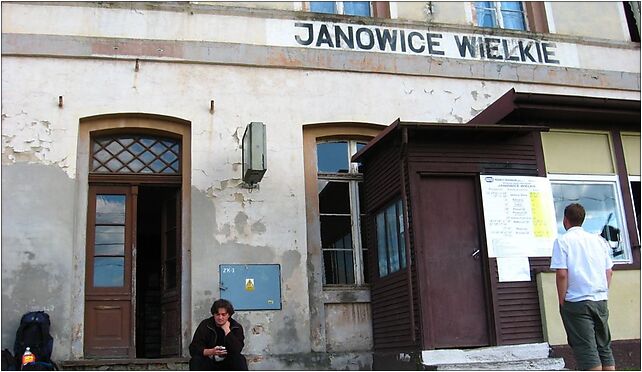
{"type": "Point", "coordinates": [222, 303]}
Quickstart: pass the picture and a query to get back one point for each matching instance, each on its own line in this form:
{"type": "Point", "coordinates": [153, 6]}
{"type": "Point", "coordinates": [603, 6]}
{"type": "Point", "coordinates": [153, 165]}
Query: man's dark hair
{"type": "Point", "coordinates": [575, 214]}
{"type": "Point", "coordinates": [222, 303]}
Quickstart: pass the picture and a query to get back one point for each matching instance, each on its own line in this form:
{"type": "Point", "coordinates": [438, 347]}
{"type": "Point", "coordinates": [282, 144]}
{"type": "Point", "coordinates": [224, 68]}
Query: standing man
{"type": "Point", "coordinates": [583, 275]}
{"type": "Point", "coordinates": [218, 341]}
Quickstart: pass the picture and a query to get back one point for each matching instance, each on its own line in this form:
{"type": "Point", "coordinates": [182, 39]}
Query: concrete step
{"type": "Point", "coordinates": [515, 357]}
{"type": "Point", "coordinates": [161, 364]}
{"type": "Point", "coordinates": [547, 364]}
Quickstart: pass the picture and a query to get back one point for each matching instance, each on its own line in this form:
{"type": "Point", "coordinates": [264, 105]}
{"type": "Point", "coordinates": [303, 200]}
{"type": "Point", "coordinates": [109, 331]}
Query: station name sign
{"type": "Point", "coordinates": [470, 46]}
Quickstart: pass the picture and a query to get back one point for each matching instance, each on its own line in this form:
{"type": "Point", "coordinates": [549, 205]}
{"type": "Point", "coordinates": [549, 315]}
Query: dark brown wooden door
{"type": "Point", "coordinates": [108, 291]}
{"type": "Point", "coordinates": [170, 275]}
{"type": "Point", "coordinates": [456, 297]}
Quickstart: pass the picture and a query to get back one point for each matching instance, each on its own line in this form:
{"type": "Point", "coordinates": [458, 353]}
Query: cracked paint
{"type": "Point", "coordinates": [230, 183]}
{"type": "Point", "coordinates": [30, 142]}
{"type": "Point", "coordinates": [235, 136]}
{"type": "Point", "coordinates": [26, 141]}
{"type": "Point", "coordinates": [239, 198]}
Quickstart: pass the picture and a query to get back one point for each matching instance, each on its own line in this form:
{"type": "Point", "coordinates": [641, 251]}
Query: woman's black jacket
{"type": "Point", "coordinates": [205, 338]}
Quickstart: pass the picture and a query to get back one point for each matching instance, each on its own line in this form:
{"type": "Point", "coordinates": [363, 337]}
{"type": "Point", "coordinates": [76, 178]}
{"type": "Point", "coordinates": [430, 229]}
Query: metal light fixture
{"type": "Point", "coordinates": [254, 153]}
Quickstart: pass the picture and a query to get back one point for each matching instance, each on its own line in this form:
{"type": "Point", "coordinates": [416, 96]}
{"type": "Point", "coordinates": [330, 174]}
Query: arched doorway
{"type": "Point", "coordinates": [134, 260]}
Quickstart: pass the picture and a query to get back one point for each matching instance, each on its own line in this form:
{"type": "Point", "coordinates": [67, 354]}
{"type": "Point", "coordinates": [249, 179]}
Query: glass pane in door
{"type": "Point", "coordinates": [109, 241]}
{"type": "Point", "coordinates": [109, 271]}
{"type": "Point", "coordinates": [110, 209]}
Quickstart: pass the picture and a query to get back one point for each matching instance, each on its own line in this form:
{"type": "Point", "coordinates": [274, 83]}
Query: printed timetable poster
{"type": "Point", "coordinates": [519, 216]}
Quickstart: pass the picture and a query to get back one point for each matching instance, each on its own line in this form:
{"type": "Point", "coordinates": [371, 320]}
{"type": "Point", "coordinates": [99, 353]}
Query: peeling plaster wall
{"type": "Point", "coordinates": [348, 327]}
{"type": "Point", "coordinates": [37, 236]}
{"type": "Point", "coordinates": [229, 224]}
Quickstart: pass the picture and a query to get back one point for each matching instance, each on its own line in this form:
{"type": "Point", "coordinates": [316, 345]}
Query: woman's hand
{"type": "Point", "coordinates": [215, 351]}
{"type": "Point", "coordinates": [226, 327]}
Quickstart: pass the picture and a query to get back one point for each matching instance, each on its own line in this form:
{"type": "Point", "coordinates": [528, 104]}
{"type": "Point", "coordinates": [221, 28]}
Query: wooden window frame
{"type": "Point", "coordinates": [636, 214]}
{"type": "Point", "coordinates": [313, 134]}
{"type": "Point", "coordinates": [102, 143]}
{"type": "Point", "coordinates": [611, 180]}
{"type": "Point", "coordinates": [632, 16]}
{"type": "Point", "coordinates": [400, 237]}
{"type": "Point", "coordinates": [536, 20]}
{"type": "Point", "coordinates": [378, 9]}
{"type": "Point", "coordinates": [534, 16]}
{"type": "Point", "coordinates": [353, 178]}
{"type": "Point", "coordinates": [125, 289]}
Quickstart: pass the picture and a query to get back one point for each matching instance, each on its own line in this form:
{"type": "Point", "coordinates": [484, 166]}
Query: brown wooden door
{"type": "Point", "coordinates": [108, 291]}
{"type": "Point", "coordinates": [170, 275]}
{"type": "Point", "coordinates": [456, 298]}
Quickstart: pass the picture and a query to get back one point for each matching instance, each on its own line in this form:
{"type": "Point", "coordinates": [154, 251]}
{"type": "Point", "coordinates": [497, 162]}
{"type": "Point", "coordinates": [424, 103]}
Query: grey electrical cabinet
{"type": "Point", "coordinates": [251, 286]}
{"type": "Point", "coordinates": [254, 152]}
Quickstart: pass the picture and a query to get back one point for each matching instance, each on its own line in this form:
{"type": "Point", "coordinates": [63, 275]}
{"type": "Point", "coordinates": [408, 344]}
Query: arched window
{"type": "Point", "coordinates": [340, 211]}
{"type": "Point", "coordinates": [126, 153]}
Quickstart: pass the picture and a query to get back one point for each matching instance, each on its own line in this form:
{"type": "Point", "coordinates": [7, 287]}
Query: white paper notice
{"type": "Point", "coordinates": [513, 269]}
{"type": "Point", "coordinates": [519, 216]}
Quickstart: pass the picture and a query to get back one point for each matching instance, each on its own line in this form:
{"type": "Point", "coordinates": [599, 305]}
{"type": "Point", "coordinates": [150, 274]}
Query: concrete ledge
{"type": "Point", "coordinates": [173, 51]}
{"type": "Point", "coordinates": [300, 361]}
{"type": "Point", "coordinates": [486, 354]}
{"type": "Point", "coordinates": [160, 364]}
{"type": "Point", "coordinates": [548, 364]}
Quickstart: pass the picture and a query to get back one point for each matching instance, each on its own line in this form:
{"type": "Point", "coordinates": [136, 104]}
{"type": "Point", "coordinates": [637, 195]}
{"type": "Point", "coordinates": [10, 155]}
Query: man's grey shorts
{"type": "Point", "coordinates": [587, 330]}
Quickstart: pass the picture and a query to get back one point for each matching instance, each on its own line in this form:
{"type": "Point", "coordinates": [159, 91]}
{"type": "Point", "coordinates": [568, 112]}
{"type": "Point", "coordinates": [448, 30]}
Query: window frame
{"type": "Point", "coordinates": [612, 180]}
{"type": "Point", "coordinates": [499, 17]}
{"type": "Point", "coordinates": [91, 289]}
{"type": "Point", "coordinates": [353, 178]}
{"type": "Point", "coordinates": [631, 11]}
{"type": "Point", "coordinates": [340, 9]}
{"type": "Point", "coordinates": [632, 179]}
{"type": "Point", "coordinates": [400, 230]}
{"type": "Point", "coordinates": [134, 138]}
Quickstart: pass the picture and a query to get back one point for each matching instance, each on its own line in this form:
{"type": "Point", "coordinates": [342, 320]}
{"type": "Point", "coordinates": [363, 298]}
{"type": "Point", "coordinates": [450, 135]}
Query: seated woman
{"type": "Point", "coordinates": [218, 341]}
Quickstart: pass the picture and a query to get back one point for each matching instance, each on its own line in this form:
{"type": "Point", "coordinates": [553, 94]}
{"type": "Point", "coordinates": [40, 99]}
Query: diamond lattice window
{"type": "Point", "coordinates": [135, 154]}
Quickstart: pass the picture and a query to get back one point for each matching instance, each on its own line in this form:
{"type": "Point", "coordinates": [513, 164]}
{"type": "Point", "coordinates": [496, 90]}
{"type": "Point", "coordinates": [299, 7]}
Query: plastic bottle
{"type": "Point", "coordinates": [28, 357]}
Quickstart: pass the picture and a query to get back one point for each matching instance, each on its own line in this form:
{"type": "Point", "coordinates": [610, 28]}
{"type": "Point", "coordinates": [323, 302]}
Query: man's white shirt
{"type": "Point", "coordinates": [586, 257]}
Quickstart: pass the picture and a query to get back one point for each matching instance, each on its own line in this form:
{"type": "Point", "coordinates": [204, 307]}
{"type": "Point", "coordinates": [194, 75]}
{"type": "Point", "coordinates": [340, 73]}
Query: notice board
{"type": "Point", "coordinates": [519, 216]}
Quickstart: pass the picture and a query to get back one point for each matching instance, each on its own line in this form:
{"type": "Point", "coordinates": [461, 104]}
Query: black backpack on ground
{"type": "Point", "coordinates": [33, 333]}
